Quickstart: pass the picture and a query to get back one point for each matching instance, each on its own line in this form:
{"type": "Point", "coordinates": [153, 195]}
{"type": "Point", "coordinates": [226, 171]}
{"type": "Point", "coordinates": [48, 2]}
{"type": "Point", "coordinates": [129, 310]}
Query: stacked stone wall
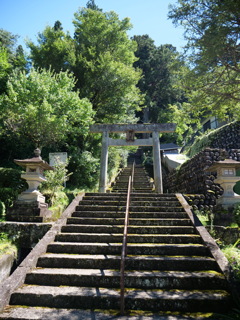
{"type": "Point", "coordinates": [193, 179]}
{"type": "Point", "coordinates": [227, 137]}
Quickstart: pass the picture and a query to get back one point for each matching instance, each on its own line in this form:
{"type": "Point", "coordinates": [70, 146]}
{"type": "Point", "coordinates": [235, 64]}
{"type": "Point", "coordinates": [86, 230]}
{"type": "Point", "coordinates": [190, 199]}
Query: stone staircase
{"type": "Point", "coordinates": [141, 182]}
{"type": "Point", "coordinates": [169, 269]}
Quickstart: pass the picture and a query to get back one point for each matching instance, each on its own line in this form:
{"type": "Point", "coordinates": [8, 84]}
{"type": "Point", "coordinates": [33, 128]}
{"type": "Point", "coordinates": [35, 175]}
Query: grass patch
{"type": "Point", "coordinates": [6, 245]}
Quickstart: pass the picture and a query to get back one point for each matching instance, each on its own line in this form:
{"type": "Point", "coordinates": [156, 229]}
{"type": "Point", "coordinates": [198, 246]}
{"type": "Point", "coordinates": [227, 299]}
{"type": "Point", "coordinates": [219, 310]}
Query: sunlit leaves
{"type": "Point", "coordinates": [43, 106]}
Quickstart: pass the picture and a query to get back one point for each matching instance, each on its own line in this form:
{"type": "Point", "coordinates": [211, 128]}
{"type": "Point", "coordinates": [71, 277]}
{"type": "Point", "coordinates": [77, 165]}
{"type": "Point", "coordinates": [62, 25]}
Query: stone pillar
{"type": "Point", "coordinates": [157, 162]}
{"type": "Point", "coordinates": [104, 162]}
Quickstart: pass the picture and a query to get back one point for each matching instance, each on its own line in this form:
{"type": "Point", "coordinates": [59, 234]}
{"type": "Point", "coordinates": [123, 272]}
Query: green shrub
{"type": "Point", "coordinates": [2, 209]}
{"type": "Point", "coordinates": [6, 245]}
{"type": "Point", "coordinates": [236, 213]}
{"type": "Point", "coordinates": [11, 184]}
{"type": "Point", "coordinates": [232, 253]}
{"type": "Point", "coordinates": [85, 168]}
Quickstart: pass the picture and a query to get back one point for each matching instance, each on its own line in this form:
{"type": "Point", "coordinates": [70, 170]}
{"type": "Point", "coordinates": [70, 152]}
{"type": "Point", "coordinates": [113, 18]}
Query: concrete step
{"type": "Point", "coordinates": [136, 215]}
{"type": "Point", "coordinates": [42, 313]}
{"type": "Point", "coordinates": [112, 194]}
{"type": "Point", "coordinates": [132, 238]}
{"type": "Point", "coordinates": [132, 208]}
{"type": "Point", "coordinates": [105, 298]}
{"type": "Point", "coordinates": [133, 202]}
{"type": "Point", "coordinates": [88, 261]}
{"type": "Point", "coordinates": [132, 249]}
{"type": "Point", "coordinates": [23, 218]}
{"type": "Point", "coordinates": [132, 221]}
{"type": "Point", "coordinates": [133, 279]}
{"type": "Point", "coordinates": [131, 229]}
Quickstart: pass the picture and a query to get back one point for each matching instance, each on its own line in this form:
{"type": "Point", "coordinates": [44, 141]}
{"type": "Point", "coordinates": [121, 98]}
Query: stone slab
{"type": "Point", "coordinates": [159, 127]}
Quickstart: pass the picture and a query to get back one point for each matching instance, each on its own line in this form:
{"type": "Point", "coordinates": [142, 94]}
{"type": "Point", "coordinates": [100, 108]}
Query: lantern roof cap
{"type": "Point", "coordinates": [225, 163]}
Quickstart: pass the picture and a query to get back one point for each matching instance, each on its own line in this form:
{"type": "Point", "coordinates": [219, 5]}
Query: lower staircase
{"type": "Point", "coordinates": [169, 270]}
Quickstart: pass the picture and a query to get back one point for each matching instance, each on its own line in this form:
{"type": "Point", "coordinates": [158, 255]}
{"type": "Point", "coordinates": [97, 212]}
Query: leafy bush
{"type": "Point", "coordinates": [11, 184]}
{"type": "Point", "coordinates": [6, 245]}
{"type": "Point", "coordinates": [236, 213]}
{"type": "Point", "coordinates": [85, 168]}
{"type": "Point", "coordinates": [2, 209]}
{"type": "Point", "coordinates": [55, 182]}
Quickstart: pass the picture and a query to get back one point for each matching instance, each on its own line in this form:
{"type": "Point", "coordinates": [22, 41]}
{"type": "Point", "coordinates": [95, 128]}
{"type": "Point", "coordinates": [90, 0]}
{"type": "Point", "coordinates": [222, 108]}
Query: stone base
{"type": "Point", "coordinates": [31, 211]}
{"type": "Point", "coordinates": [30, 197]}
{"type": "Point", "coordinates": [228, 202]}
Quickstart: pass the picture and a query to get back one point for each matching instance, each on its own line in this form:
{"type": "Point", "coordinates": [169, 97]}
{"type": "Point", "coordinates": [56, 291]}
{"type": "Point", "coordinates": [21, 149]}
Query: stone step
{"type": "Point", "coordinates": [134, 202]}
{"type": "Point", "coordinates": [133, 279]}
{"type": "Point", "coordinates": [132, 248]}
{"type": "Point", "coordinates": [104, 298]}
{"type": "Point", "coordinates": [136, 238]}
{"type": "Point", "coordinates": [132, 208]}
{"type": "Point", "coordinates": [132, 221]}
{"type": "Point", "coordinates": [87, 261]}
{"type": "Point", "coordinates": [112, 194]}
{"type": "Point", "coordinates": [43, 313]}
{"type": "Point", "coordinates": [131, 229]}
{"type": "Point", "coordinates": [23, 218]}
{"type": "Point", "coordinates": [136, 215]}
{"type": "Point", "coordinates": [135, 189]}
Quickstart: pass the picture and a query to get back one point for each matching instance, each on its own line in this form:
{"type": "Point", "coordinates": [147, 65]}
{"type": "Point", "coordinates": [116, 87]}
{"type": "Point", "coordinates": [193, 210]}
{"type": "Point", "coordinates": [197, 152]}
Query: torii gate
{"type": "Point", "coordinates": [130, 130]}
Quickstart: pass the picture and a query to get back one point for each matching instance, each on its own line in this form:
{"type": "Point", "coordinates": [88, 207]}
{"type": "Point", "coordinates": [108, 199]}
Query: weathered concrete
{"type": "Point", "coordinates": [208, 240]}
{"type": "Point", "coordinates": [104, 162]}
{"type": "Point", "coordinates": [6, 263]}
{"type": "Point", "coordinates": [18, 277]}
{"type": "Point", "coordinates": [147, 128]}
{"type": "Point", "coordinates": [26, 234]}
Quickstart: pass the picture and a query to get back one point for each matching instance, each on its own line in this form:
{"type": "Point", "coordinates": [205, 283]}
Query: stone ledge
{"type": "Point", "coordinates": [18, 276]}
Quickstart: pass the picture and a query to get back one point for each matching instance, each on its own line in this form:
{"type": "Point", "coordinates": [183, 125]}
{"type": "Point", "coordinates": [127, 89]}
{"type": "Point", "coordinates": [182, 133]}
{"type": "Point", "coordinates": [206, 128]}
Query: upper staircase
{"type": "Point", "coordinates": [169, 269]}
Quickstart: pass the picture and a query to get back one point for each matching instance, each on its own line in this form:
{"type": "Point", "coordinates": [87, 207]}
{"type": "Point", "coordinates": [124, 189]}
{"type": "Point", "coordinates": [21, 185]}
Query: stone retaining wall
{"type": "Point", "coordinates": [192, 179]}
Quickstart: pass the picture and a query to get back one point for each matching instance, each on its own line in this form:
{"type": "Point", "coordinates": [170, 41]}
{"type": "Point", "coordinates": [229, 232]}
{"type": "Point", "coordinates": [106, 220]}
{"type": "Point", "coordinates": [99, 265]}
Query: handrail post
{"type": "Point", "coordinates": [124, 249]}
{"type": "Point", "coordinates": [133, 172]}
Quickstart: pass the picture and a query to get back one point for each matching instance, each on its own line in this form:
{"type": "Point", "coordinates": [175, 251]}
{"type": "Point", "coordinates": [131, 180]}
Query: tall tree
{"type": "Point", "coordinates": [212, 28]}
{"type": "Point", "coordinates": [11, 57]}
{"type": "Point", "coordinates": [160, 67]}
{"type": "Point", "coordinates": [55, 49]}
{"type": "Point", "coordinates": [92, 5]}
{"type": "Point", "coordinates": [104, 66]}
{"type": "Point", "coordinates": [43, 107]}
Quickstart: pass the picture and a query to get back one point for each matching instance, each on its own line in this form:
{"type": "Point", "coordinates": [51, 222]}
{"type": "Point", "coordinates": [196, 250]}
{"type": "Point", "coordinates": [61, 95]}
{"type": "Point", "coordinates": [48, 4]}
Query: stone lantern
{"type": "Point", "coordinates": [30, 205]}
{"type": "Point", "coordinates": [34, 175]}
{"type": "Point", "coordinates": [227, 178]}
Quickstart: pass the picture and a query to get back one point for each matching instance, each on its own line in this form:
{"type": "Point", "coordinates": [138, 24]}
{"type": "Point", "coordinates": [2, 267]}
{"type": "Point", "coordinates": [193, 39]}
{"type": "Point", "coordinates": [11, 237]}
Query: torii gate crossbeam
{"type": "Point", "coordinates": [131, 129]}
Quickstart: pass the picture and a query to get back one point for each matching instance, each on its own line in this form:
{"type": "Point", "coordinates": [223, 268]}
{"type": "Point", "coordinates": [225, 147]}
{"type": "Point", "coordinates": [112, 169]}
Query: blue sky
{"type": "Point", "coordinates": [28, 17]}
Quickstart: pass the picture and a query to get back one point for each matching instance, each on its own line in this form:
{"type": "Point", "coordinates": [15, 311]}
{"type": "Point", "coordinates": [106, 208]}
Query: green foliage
{"type": "Point", "coordinates": [232, 253]}
{"type": "Point", "coordinates": [104, 66]}
{"type": "Point", "coordinates": [85, 168]}
{"type": "Point", "coordinates": [43, 107]}
{"type": "Point", "coordinates": [2, 209]}
{"type": "Point", "coordinates": [117, 159]}
{"type": "Point", "coordinates": [160, 81]}
{"type": "Point", "coordinates": [11, 184]}
{"type": "Point", "coordinates": [212, 30]}
{"type": "Point", "coordinates": [58, 202]}
{"type": "Point", "coordinates": [55, 49]}
{"type": "Point", "coordinates": [236, 213]}
{"type": "Point", "coordinates": [55, 183]}
{"type": "Point", "coordinates": [6, 245]}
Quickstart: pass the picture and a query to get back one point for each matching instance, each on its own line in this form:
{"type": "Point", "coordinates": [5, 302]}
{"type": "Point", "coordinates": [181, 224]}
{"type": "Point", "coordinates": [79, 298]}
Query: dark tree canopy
{"type": "Point", "coordinates": [212, 28]}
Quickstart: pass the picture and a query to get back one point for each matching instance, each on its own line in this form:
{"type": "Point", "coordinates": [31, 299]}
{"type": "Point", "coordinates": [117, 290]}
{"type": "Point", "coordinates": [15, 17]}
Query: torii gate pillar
{"type": "Point", "coordinates": [157, 168]}
{"type": "Point", "coordinates": [131, 129]}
